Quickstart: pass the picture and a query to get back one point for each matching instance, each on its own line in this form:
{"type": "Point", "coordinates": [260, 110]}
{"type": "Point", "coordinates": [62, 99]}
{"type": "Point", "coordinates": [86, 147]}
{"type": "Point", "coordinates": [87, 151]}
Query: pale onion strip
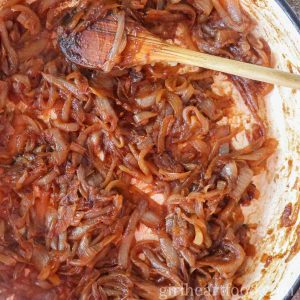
{"type": "Point", "coordinates": [109, 174]}
{"type": "Point", "coordinates": [136, 174]}
{"type": "Point", "coordinates": [146, 101]}
{"type": "Point", "coordinates": [144, 116]}
{"type": "Point", "coordinates": [68, 127]}
{"type": "Point", "coordinates": [119, 34]}
{"type": "Point", "coordinates": [176, 104]}
{"type": "Point", "coordinates": [165, 126]}
{"type": "Point", "coordinates": [170, 176]}
{"type": "Point", "coordinates": [245, 177]}
{"type": "Point", "coordinates": [66, 109]}
{"type": "Point", "coordinates": [7, 260]}
{"type": "Point", "coordinates": [141, 160]}
{"type": "Point", "coordinates": [48, 178]}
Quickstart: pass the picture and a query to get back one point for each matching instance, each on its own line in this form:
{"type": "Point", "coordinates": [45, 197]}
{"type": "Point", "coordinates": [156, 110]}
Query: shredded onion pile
{"type": "Point", "coordinates": [91, 158]}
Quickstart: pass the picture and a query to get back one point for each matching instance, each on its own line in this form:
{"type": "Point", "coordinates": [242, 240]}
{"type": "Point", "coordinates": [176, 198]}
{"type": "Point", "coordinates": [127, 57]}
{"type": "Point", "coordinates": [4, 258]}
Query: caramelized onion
{"type": "Point", "coordinates": [125, 183]}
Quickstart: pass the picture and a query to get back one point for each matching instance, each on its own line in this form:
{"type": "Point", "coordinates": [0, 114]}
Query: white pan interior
{"type": "Point", "coordinates": [279, 185]}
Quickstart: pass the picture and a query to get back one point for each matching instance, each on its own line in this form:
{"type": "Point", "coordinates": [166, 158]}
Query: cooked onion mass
{"type": "Point", "coordinates": [116, 183]}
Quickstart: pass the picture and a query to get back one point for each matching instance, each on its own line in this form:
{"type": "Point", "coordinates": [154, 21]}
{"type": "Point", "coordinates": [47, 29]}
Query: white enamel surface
{"type": "Point", "coordinates": [280, 184]}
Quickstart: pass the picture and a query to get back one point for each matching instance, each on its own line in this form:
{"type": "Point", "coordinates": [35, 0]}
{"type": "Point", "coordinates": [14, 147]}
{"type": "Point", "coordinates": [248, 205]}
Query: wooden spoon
{"type": "Point", "coordinates": [91, 47]}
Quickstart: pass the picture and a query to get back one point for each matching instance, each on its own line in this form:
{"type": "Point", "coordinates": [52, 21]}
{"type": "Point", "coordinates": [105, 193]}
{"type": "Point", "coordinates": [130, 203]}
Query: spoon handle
{"type": "Point", "coordinates": [168, 53]}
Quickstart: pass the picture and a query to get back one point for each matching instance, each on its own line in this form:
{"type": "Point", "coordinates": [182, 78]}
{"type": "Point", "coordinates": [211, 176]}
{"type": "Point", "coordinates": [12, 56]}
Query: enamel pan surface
{"type": "Point", "coordinates": [273, 273]}
{"type": "Point", "coordinates": [296, 21]}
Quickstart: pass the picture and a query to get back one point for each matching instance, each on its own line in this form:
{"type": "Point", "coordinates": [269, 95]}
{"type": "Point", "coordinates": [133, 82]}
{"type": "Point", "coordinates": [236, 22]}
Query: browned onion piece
{"type": "Point", "coordinates": [46, 4]}
{"type": "Point", "coordinates": [231, 13]}
{"type": "Point", "coordinates": [188, 256]}
{"type": "Point", "coordinates": [147, 290]}
{"type": "Point", "coordinates": [154, 15]}
{"type": "Point", "coordinates": [87, 253]}
{"type": "Point", "coordinates": [176, 104]}
{"type": "Point", "coordinates": [48, 178]}
{"type": "Point", "coordinates": [8, 3]}
{"type": "Point", "coordinates": [28, 18]}
{"type": "Point", "coordinates": [3, 93]}
{"type": "Point", "coordinates": [203, 5]}
{"type": "Point", "coordinates": [200, 118]}
{"type": "Point", "coordinates": [208, 107]}
{"type": "Point", "coordinates": [166, 124]}
{"type": "Point", "coordinates": [105, 110]}
{"type": "Point", "coordinates": [61, 146]}
{"type": "Point", "coordinates": [35, 48]}
{"type": "Point", "coordinates": [41, 260]}
{"type": "Point", "coordinates": [226, 265]}
{"type": "Point", "coordinates": [7, 260]}
{"type": "Point", "coordinates": [226, 37]}
{"type": "Point", "coordinates": [169, 252]}
{"type": "Point", "coordinates": [185, 9]}
{"type": "Point", "coordinates": [55, 13]}
{"type": "Point", "coordinates": [160, 268]}
{"type": "Point", "coordinates": [123, 255]}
